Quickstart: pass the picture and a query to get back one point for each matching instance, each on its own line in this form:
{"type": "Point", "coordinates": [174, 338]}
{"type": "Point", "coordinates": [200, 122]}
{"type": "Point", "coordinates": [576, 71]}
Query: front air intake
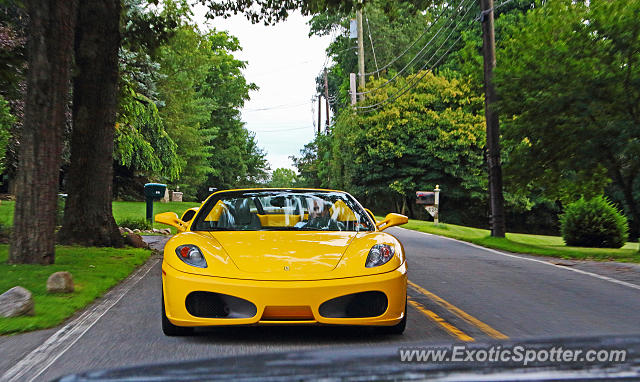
{"type": "Point", "coordinates": [218, 305]}
{"type": "Point", "coordinates": [356, 305]}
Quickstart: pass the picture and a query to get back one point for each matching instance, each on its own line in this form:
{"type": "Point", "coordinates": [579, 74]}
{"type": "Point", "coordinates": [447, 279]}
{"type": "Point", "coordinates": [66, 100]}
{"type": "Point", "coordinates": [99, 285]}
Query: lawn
{"type": "Point", "coordinates": [525, 243]}
{"type": "Point", "coordinates": [121, 210]}
{"type": "Point", "coordinates": [94, 271]}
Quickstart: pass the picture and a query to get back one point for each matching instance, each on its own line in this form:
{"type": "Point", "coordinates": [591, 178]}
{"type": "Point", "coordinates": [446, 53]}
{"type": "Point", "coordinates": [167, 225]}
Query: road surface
{"type": "Point", "coordinates": [458, 292]}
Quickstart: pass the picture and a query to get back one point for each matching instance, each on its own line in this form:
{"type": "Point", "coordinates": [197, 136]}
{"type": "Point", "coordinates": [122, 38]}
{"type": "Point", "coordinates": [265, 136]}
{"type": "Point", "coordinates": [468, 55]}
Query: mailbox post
{"type": "Point", "coordinates": [153, 191]}
{"type": "Point", "coordinates": [430, 201]}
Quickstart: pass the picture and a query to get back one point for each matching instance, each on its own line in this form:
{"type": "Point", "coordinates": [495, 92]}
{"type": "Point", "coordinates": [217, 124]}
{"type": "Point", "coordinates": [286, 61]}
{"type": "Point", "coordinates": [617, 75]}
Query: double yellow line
{"type": "Point", "coordinates": [448, 327]}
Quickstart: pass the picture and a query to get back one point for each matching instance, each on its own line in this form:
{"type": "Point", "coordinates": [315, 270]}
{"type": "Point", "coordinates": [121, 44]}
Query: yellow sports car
{"type": "Point", "coordinates": [283, 257]}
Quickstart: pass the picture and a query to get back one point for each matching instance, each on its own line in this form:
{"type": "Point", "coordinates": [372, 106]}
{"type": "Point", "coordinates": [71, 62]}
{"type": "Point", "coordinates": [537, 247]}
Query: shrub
{"type": "Point", "coordinates": [141, 224]}
{"type": "Point", "coordinates": [593, 223]}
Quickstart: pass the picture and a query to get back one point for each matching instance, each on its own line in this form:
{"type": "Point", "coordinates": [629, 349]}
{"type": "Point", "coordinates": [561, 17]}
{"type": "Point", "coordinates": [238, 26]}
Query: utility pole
{"type": "Point", "coordinates": [319, 112]}
{"type": "Point", "coordinates": [352, 88]}
{"type": "Point", "coordinates": [360, 48]}
{"type": "Point", "coordinates": [493, 124]}
{"type": "Point", "coordinates": [326, 97]}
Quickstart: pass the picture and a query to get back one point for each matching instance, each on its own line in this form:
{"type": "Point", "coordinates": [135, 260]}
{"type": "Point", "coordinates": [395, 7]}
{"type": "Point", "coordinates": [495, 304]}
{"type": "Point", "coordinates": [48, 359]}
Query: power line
{"type": "Point", "coordinates": [279, 130]}
{"type": "Point", "coordinates": [420, 53]}
{"type": "Point", "coordinates": [427, 30]}
{"type": "Point", "coordinates": [276, 107]}
{"type": "Point", "coordinates": [409, 85]}
{"type": "Point", "coordinates": [373, 50]}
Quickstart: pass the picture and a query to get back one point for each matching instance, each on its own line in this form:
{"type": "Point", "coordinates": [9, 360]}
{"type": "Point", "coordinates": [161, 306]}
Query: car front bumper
{"type": "Point", "coordinates": [275, 301]}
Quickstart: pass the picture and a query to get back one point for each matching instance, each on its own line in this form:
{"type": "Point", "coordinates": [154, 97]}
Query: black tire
{"type": "Point", "coordinates": [172, 330]}
{"type": "Point", "coordinates": [396, 329]}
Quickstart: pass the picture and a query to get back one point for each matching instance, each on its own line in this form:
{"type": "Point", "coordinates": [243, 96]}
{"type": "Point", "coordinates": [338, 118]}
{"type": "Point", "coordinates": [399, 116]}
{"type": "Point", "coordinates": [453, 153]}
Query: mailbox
{"type": "Point", "coordinates": [427, 198]}
{"type": "Point", "coordinates": [153, 191]}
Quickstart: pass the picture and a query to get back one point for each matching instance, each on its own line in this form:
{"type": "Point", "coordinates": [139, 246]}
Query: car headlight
{"type": "Point", "coordinates": [379, 254]}
{"type": "Point", "coordinates": [191, 255]}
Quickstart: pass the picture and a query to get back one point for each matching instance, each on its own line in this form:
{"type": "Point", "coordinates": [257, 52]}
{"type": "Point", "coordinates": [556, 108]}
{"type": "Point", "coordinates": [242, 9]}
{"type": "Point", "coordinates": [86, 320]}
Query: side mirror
{"type": "Point", "coordinates": [171, 218]}
{"type": "Point", "coordinates": [392, 220]}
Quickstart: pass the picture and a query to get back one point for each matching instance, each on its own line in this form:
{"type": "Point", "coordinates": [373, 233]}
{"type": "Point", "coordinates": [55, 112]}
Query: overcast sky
{"type": "Point", "coordinates": [283, 61]}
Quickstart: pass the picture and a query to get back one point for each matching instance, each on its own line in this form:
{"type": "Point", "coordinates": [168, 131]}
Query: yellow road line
{"type": "Point", "coordinates": [440, 321]}
{"type": "Point", "coordinates": [459, 312]}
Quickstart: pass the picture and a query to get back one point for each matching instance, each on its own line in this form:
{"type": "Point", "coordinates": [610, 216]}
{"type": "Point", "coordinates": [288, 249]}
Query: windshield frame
{"type": "Point", "coordinates": [206, 207]}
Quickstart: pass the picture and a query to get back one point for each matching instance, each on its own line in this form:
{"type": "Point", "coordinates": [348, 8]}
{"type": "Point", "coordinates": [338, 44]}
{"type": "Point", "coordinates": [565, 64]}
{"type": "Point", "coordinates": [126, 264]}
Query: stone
{"type": "Point", "coordinates": [17, 301]}
{"type": "Point", "coordinates": [166, 231]}
{"type": "Point", "coordinates": [165, 198]}
{"type": "Point", "coordinates": [155, 230]}
{"type": "Point", "coordinates": [136, 231]}
{"type": "Point", "coordinates": [122, 231]}
{"type": "Point", "coordinates": [136, 241]}
{"type": "Point", "coordinates": [60, 282]}
{"type": "Point", "coordinates": [128, 230]}
{"type": "Point", "coordinates": [176, 196]}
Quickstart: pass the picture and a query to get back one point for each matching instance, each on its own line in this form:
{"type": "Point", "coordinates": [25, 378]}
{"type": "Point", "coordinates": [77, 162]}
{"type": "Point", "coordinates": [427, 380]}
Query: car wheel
{"type": "Point", "coordinates": [170, 329]}
{"type": "Point", "coordinates": [396, 329]}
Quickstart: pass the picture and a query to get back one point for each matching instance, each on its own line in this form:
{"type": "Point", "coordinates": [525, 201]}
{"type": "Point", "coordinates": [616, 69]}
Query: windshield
{"type": "Point", "coordinates": [282, 210]}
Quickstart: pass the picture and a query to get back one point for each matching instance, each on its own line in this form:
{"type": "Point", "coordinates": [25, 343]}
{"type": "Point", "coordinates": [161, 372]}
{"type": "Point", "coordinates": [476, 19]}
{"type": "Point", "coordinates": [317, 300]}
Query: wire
{"type": "Point", "coordinates": [419, 54]}
{"type": "Point", "coordinates": [279, 130]}
{"type": "Point", "coordinates": [375, 60]}
{"type": "Point", "coordinates": [427, 30]}
{"type": "Point", "coordinates": [411, 85]}
{"type": "Point", "coordinates": [276, 107]}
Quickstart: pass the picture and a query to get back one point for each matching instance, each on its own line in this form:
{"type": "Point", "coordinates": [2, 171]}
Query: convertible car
{"type": "Point", "coordinates": [283, 257]}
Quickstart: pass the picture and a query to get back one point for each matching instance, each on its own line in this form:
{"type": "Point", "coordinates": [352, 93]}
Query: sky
{"type": "Point", "coordinates": [284, 62]}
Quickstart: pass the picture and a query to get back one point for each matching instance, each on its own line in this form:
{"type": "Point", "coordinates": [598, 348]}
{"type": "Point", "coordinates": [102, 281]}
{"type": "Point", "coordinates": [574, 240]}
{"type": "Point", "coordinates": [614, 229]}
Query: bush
{"type": "Point", "coordinates": [593, 223]}
{"type": "Point", "coordinates": [141, 224]}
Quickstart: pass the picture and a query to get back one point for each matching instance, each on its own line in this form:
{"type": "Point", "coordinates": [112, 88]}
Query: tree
{"type": "Point", "coordinates": [51, 32]}
{"type": "Point", "coordinates": [569, 82]}
{"type": "Point", "coordinates": [433, 136]}
{"type": "Point", "coordinates": [88, 218]}
{"type": "Point", "coordinates": [283, 178]}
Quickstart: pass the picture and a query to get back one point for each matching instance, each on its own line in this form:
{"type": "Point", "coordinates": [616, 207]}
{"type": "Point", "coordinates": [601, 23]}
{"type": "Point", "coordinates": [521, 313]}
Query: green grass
{"type": "Point", "coordinates": [94, 271]}
{"type": "Point", "coordinates": [525, 243]}
{"type": "Point", "coordinates": [121, 211]}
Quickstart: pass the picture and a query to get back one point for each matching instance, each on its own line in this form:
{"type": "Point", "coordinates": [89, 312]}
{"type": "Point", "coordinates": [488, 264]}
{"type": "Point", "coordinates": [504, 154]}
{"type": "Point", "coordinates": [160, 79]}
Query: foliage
{"type": "Point", "coordinates": [283, 178]}
{"type": "Point", "coordinates": [141, 142]}
{"type": "Point", "coordinates": [6, 124]}
{"type": "Point", "coordinates": [134, 223]}
{"type": "Point", "coordinates": [272, 11]}
{"type": "Point", "coordinates": [593, 223]}
{"type": "Point", "coordinates": [569, 82]}
{"type": "Point", "coordinates": [429, 137]}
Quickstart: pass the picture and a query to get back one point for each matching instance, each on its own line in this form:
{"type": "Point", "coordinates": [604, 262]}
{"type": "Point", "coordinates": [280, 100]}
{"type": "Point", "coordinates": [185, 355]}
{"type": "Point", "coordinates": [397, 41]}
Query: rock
{"type": "Point", "coordinates": [128, 230]}
{"type": "Point", "coordinates": [176, 196]}
{"type": "Point", "coordinates": [155, 230]}
{"type": "Point", "coordinates": [136, 241]}
{"type": "Point", "coordinates": [136, 231]}
{"type": "Point", "coordinates": [122, 231]}
{"type": "Point", "coordinates": [166, 231]}
{"type": "Point", "coordinates": [17, 301]}
{"type": "Point", "coordinates": [60, 282]}
{"type": "Point", "coordinates": [165, 199]}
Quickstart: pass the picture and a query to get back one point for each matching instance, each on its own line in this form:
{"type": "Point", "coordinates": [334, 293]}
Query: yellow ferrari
{"type": "Point", "coordinates": [283, 257]}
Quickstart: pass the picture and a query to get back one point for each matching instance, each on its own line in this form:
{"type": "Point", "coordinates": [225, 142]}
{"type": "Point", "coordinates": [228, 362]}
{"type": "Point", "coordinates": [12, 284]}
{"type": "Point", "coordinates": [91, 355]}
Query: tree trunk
{"type": "Point", "coordinates": [50, 45]}
{"type": "Point", "coordinates": [88, 218]}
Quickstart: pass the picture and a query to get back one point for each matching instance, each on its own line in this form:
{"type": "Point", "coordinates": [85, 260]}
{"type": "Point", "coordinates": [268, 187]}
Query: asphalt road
{"type": "Point", "coordinates": [457, 292]}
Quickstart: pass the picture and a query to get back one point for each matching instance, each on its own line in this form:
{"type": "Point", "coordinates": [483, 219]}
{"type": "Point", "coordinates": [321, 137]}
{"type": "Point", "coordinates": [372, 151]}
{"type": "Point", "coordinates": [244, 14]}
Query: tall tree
{"type": "Point", "coordinates": [51, 34]}
{"type": "Point", "coordinates": [88, 218]}
{"type": "Point", "coordinates": [569, 82]}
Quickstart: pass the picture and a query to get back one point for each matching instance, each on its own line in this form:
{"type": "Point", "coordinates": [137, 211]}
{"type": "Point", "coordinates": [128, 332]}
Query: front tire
{"type": "Point", "coordinates": [398, 328]}
{"type": "Point", "coordinates": [172, 330]}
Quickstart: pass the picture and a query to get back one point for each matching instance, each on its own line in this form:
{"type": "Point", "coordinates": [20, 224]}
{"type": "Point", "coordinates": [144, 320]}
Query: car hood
{"type": "Point", "coordinates": [287, 253]}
